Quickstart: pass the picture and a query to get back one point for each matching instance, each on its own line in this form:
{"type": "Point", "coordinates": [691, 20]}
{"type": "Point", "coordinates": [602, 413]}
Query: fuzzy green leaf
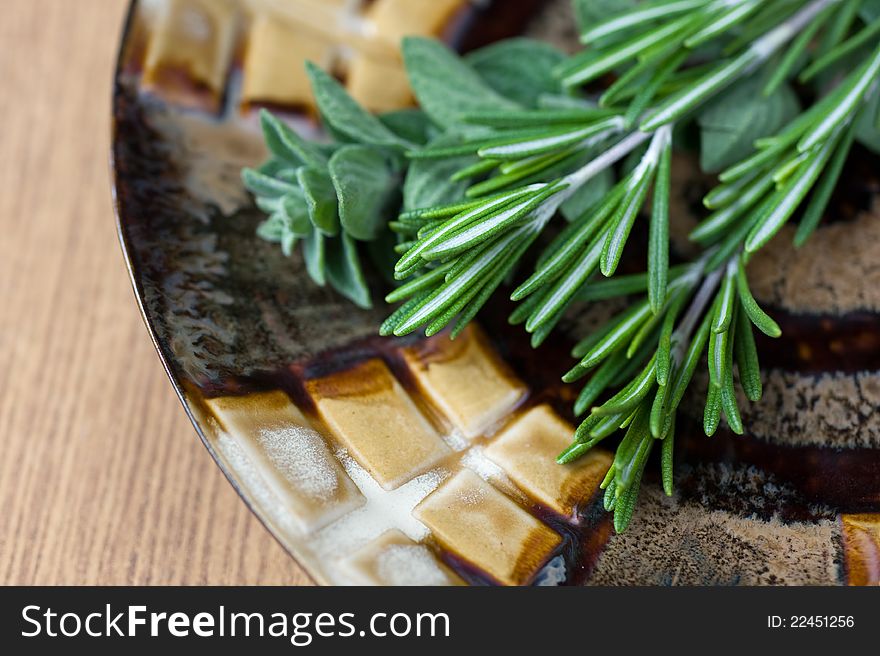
{"type": "Point", "coordinates": [314, 253]}
{"type": "Point", "coordinates": [588, 195]}
{"type": "Point", "coordinates": [732, 122]}
{"type": "Point", "coordinates": [413, 125]}
{"type": "Point", "coordinates": [364, 185]}
{"type": "Point", "coordinates": [867, 128]}
{"type": "Point", "coordinates": [519, 68]}
{"type": "Point", "coordinates": [428, 182]}
{"type": "Point", "coordinates": [286, 144]}
{"type": "Point", "coordinates": [320, 196]}
{"type": "Point", "coordinates": [346, 116]}
{"type": "Point", "coordinates": [344, 272]}
{"type": "Point", "coordinates": [447, 87]}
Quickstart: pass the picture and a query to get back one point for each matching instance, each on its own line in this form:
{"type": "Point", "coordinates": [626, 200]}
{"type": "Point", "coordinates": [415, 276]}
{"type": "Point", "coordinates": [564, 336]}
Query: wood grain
{"type": "Point", "coordinates": [102, 480]}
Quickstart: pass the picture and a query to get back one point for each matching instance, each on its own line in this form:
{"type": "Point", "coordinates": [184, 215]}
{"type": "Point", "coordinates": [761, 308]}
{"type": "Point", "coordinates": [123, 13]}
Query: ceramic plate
{"type": "Point", "coordinates": [426, 461]}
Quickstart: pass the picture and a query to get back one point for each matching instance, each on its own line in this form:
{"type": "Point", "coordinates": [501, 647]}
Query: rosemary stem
{"type": "Point", "coordinates": [767, 45]}
{"type": "Point", "coordinates": [579, 178]}
{"type": "Point", "coordinates": [610, 157]}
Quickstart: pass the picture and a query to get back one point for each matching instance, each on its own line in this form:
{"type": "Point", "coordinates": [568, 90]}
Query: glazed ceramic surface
{"type": "Point", "coordinates": [427, 461]}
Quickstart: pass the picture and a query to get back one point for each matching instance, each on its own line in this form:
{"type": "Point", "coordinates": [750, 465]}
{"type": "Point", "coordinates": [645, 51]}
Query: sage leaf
{"type": "Point", "coordinates": [867, 132]}
{"type": "Point", "coordinates": [296, 215]}
{"type": "Point", "coordinates": [344, 273]}
{"type": "Point", "coordinates": [731, 123]}
{"type": "Point", "coordinates": [428, 181]}
{"type": "Point", "coordinates": [314, 251]}
{"type": "Point", "coordinates": [447, 87]}
{"type": "Point", "coordinates": [272, 229]}
{"type": "Point", "coordinates": [519, 69]}
{"type": "Point", "coordinates": [588, 195]}
{"type": "Point", "coordinates": [320, 197]}
{"type": "Point", "coordinates": [410, 124]}
{"type": "Point", "coordinates": [262, 185]}
{"type": "Point", "coordinates": [286, 144]}
{"type": "Point", "coordinates": [364, 186]}
{"type": "Point", "coordinates": [346, 116]}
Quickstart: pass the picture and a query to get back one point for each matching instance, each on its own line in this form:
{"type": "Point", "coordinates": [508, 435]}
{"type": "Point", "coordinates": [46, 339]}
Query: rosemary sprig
{"type": "Point", "coordinates": [494, 163]}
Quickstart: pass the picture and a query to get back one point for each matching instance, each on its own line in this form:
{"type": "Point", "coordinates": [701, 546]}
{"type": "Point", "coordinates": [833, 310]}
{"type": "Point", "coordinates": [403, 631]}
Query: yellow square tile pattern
{"type": "Point", "coordinates": [527, 448]}
{"type": "Point", "coordinates": [471, 518]}
{"type": "Point", "coordinates": [391, 20]}
{"type": "Point", "coordinates": [379, 85]}
{"type": "Point", "coordinates": [191, 45]}
{"type": "Point", "coordinates": [290, 456]}
{"type": "Point", "coordinates": [194, 40]}
{"type": "Point", "coordinates": [370, 414]}
{"type": "Point", "coordinates": [395, 559]}
{"type": "Point", "coordinates": [274, 70]}
{"type": "Point", "coordinates": [466, 380]}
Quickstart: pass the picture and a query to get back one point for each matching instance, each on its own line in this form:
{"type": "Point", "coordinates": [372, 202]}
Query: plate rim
{"type": "Point", "coordinates": [118, 191]}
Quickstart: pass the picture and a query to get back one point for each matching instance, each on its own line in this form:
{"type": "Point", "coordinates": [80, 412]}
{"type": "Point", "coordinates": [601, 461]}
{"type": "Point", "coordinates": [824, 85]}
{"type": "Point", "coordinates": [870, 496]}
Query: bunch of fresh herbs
{"type": "Point", "coordinates": [517, 137]}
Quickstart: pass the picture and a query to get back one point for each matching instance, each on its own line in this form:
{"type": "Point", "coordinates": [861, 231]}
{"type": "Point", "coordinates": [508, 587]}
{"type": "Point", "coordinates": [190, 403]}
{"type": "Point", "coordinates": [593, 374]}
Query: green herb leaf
{"type": "Point", "coordinates": [712, 411]}
{"type": "Point", "coordinates": [761, 319]}
{"type": "Point", "coordinates": [320, 196]}
{"type": "Point", "coordinates": [295, 211]}
{"type": "Point", "coordinates": [344, 273]}
{"type": "Point", "coordinates": [622, 223]}
{"type": "Point", "coordinates": [623, 330]}
{"type": "Point", "coordinates": [867, 127]}
{"type": "Point", "coordinates": [824, 189]}
{"type": "Point", "coordinates": [447, 88]}
{"type": "Point", "coordinates": [590, 13]}
{"type": "Point", "coordinates": [658, 236]}
{"type": "Point", "coordinates": [286, 144]}
{"type": "Point", "coordinates": [364, 185]}
{"type": "Point", "coordinates": [747, 358]}
{"type": "Point", "coordinates": [428, 182]}
{"type": "Point", "coordinates": [725, 307]}
{"type": "Point", "coordinates": [589, 195]}
{"type": "Point", "coordinates": [666, 464]}
{"type": "Point", "coordinates": [266, 186]}
{"type": "Point", "coordinates": [346, 116]}
{"type": "Point", "coordinates": [412, 125]}
{"type": "Point", "coordinates": [520, 69]}
{"type": "Point", "coordinates": [732, 122]}
{"type": "Point", "coordinates": [314, 254]}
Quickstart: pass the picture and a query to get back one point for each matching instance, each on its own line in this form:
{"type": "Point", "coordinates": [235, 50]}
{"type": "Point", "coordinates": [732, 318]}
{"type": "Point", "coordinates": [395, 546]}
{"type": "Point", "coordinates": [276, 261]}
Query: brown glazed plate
{"type": "Point", "coordinates": [430, 462]}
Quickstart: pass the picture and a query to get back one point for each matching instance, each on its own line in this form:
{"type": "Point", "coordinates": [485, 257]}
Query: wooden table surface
{"type": "Point", "coordinates": [102, 480]}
